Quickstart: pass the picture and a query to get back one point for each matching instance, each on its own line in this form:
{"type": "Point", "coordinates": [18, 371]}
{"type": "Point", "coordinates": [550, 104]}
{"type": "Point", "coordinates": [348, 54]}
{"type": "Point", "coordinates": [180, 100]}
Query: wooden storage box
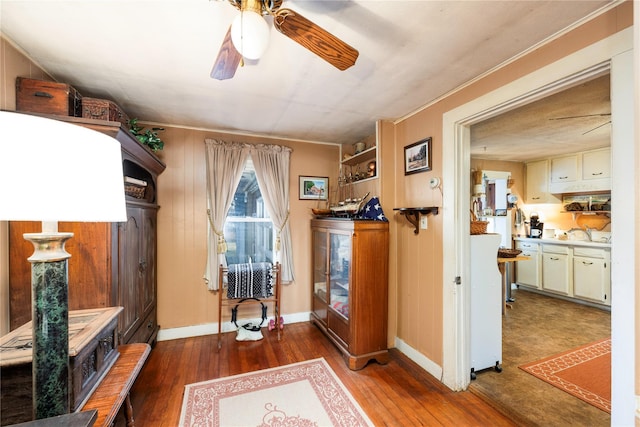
{"type": "Point", "coordinates": [103, 109]}
{"type": "Point", "coordinates": [39, 96]}
{"type": "Point", "coordinates": [93, 343]}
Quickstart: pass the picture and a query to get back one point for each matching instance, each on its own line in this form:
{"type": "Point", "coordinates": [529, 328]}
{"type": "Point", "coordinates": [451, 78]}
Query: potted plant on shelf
{"type": "Point", "coordinates": [147, 137]}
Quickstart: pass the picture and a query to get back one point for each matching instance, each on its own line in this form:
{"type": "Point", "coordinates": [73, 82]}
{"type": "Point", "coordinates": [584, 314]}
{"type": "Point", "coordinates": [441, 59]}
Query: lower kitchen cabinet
{"type": "Point", "coordinates": [528, 272]}
{"type": "Point", "coordinates": [556, 269]}
{"type": "Point", "coordinates": [350, 287]}
{"type": "Point", "coordinates": [574, 270]}
{"type": "Point", "coordinates": [592, 274]}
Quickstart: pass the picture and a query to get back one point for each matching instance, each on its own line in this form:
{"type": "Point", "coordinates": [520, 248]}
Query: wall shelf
{"type": "Point", "coordinates": [363, 156]}
{"type": "Point", "coordinates": [413, 215]}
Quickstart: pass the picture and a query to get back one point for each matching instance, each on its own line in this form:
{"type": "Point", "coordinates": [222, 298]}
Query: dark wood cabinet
{"type": "Point", "coordinates": [350, 287]}
{"type": "Point", "coordinates": [111, 264]}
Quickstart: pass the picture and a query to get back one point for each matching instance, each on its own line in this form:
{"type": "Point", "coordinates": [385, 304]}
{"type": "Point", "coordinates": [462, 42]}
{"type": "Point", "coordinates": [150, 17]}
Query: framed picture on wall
{"type": "Point", "coordinates": [417, 157]}
{"type": "Point", "coordinates": [314, 187]}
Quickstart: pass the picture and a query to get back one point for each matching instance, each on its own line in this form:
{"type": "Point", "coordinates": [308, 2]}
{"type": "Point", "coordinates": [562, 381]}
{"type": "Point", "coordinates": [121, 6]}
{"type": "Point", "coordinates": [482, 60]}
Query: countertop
{"type": "Point", "coordinates": [564, 242]}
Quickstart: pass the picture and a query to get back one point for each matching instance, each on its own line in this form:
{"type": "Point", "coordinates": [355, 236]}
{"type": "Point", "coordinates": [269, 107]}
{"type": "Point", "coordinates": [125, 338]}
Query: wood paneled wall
{"type": "Point", "coordinates": [183, 298]}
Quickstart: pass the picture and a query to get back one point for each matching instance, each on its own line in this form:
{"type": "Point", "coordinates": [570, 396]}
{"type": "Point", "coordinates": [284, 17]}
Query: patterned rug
{"type": "Point", "coordinates": [301, 394]}
{"type": "Point", "coordinates": [584, 372]}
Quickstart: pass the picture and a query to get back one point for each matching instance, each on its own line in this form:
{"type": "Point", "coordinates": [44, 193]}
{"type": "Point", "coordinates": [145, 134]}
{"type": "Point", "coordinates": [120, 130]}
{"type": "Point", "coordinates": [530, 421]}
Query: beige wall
{"type": "Point", "coordinates": [419, 258]}
{"type": "Point", "coordinates": [183, 299]}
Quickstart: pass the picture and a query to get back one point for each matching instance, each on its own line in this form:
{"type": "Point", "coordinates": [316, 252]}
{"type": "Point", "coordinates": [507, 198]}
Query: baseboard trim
{"type": "Point", "coordinates": [419, 358]}
{"type": "Point", "coordinates": [212, 328]}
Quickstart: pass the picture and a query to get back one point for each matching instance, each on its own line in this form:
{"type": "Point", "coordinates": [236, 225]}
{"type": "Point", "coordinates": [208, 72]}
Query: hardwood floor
{"type": "Point", "coordinates": [397, 394]}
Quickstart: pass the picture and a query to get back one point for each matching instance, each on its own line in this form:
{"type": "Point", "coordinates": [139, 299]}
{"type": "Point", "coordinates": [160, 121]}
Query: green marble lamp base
{"type": "Point", "coordinates": [50, 318]}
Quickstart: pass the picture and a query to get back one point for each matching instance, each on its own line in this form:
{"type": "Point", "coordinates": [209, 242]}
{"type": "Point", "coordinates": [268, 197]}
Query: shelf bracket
{"type": "Point", "coordinates": [413, 215]}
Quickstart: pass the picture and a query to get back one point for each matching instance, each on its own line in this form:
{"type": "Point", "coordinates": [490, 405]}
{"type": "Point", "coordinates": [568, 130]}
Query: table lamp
{"type": "Point", "coordinates": [54, 171]}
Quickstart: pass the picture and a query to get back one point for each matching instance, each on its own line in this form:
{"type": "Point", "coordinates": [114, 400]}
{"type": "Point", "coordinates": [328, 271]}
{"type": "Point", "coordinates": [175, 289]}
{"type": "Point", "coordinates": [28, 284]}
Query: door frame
{"type": "Point", "coordinates": [615, 54]}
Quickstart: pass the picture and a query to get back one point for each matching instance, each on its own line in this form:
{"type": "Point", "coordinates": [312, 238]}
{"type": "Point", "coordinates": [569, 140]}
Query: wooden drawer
{"type": "Point", "coordinates": [555, 249]}
{"type": "Point", "coordinates": [337, 324]}
{"type": "Point", "coordinates": [40, 96]}
{"type": "Point", "coordinates": [590, 252]}
{"type": "Point", "coordinates": [147, 331]}
{"type": "Point", "coordinates": [103, 109]}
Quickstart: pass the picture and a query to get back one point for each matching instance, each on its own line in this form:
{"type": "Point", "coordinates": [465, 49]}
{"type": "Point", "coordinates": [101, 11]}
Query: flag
{"type": "Point", "coordinates": [373, 210]}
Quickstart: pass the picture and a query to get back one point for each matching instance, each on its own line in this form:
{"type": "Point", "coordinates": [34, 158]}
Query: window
{"type": "Point", "coordinates": [248, 229]}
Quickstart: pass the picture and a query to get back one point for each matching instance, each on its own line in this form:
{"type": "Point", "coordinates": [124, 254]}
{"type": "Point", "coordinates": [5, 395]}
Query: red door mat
{"type": "Point", "coordinates": [584, 372]}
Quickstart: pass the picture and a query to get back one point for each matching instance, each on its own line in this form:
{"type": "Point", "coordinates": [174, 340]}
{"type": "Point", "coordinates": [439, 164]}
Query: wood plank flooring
{"type": "Point", "coordinates": [399, 393]}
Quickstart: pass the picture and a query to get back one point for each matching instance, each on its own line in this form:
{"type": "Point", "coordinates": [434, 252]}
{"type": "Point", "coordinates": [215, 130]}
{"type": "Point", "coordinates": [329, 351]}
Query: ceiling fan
{"type": "Point", "coordinates": [586, 116]}
{"type": "Point", "coordinates": [248, 36]}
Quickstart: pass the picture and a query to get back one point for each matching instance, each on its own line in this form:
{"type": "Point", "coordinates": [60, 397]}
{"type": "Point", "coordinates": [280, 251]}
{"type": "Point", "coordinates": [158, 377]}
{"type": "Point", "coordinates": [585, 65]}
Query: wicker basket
{"type": "Point", "coordinates": [478, 227]}
{"type": "Point", "coordinates": [134, 190]}
{"type": "Point", "coordinates": [508, 253]}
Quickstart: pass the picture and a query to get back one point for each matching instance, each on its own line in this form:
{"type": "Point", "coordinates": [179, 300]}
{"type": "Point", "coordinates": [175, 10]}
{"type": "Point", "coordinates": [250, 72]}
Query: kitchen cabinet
{"type": "Point", "coordinates": [581, 172]}
{"type": "Point", "coordinates": [350, 287]}
{"type": "Point", "coordinates": [537, 183]}
{"type": "Point", "coordinates": [528, 272]}
{"type": "Point", "coordinates": [555, 269]}
{"type": "Point", "coordinates": [570, 269]}
{"type": "Point", "coordinates": [111, 264]}
{"type": "Point", "coordinates": [564, 169]}
{"type": "Point", "coordinates": [596, 164]}
{"type": "Point", "coordinates": [592, 275]}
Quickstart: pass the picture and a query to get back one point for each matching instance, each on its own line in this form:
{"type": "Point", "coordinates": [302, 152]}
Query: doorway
{"type": "Point", "coordinates": [616, 54]}
{"type": "Point", "coordinates": [509, 141]}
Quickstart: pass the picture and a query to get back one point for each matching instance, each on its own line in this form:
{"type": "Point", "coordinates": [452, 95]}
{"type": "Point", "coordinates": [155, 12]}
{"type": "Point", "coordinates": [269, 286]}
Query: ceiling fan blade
{"type": "Point", "coordinates": [227, 61]}
{"type": "Point", "coordinates": [317, 40]}
{"type": "Point", "coordinates": [580, 117]}
{"type": "Point", "coordinates": [597, 127]}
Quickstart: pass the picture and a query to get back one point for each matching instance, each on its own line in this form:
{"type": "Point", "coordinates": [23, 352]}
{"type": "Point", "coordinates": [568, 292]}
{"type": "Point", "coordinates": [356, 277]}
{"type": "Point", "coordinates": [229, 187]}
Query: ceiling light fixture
{"type": "Point", "coordinates": [250, 31]}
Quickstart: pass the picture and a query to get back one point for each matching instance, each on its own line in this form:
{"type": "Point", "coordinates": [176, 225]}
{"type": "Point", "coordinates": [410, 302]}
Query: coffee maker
{"type": "Point", "coordinates": [535, 226]}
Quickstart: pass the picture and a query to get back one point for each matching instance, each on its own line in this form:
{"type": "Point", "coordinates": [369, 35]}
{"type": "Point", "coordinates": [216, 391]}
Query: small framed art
{"type": "Point", "coordinates": [417, 157]}
{"type": "Point", "coordinates": [314, 187]}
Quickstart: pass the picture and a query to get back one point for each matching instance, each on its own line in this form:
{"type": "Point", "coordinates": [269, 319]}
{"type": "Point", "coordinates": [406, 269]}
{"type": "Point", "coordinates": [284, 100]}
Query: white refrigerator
{"type": "Point", "coordinates": [486, 304]}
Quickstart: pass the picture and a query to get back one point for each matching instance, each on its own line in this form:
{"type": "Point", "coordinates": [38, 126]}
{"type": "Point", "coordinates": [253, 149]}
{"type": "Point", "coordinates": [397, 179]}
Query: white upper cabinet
{"type": "Point", "coordinates": [596, 164]}
{"type": "Point", "coordinates": [564, 169]}
{"type": "Point", "coordinates": [581, 172]}
{"type": "Point", "coordinates": [537, 183]}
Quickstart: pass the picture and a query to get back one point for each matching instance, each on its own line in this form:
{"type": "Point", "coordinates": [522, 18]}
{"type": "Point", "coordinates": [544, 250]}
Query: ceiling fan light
{"type": "Point", "coordinates": [250, 34]}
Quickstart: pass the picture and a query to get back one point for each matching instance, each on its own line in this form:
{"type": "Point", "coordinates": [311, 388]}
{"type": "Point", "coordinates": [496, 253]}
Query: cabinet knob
{"type": "Point", "coordinates": [142, 266]}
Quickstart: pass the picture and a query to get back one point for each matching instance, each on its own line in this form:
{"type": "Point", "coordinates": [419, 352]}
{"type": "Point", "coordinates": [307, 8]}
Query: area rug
{"type": "Point", "coordinates": [301, 394]}
{"type": "Point", "coordinates": [584, 372]}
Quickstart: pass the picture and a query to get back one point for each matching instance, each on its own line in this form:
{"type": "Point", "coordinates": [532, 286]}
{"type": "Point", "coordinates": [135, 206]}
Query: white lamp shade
{"type": "Point", "coordinates": [250, 34]}
{"type": "Point", "coordinates": [56, 171]}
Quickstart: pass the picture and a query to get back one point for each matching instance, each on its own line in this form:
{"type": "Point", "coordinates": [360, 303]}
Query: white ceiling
{"type": "Point", "coordinates": [153, 58]}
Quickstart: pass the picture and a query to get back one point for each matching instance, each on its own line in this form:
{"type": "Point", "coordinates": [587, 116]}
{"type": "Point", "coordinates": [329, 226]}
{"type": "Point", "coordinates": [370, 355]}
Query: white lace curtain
{"type": "Point", "coordinates": [225, 163]}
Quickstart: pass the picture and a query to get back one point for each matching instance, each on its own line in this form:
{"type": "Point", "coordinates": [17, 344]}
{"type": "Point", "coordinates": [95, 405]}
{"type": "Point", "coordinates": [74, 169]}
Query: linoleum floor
{"type": "Point", "coordinates": [539, 326]}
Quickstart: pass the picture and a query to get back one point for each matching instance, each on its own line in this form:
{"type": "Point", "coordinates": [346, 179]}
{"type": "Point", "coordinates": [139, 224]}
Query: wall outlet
{"type": "Point", "coordinates": [423, 222]}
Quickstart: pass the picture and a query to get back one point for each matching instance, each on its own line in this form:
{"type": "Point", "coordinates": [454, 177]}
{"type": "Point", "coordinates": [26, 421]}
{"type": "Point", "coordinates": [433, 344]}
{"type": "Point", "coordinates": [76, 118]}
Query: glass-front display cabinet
{"type": "Point", "coordinates": [350, 276]}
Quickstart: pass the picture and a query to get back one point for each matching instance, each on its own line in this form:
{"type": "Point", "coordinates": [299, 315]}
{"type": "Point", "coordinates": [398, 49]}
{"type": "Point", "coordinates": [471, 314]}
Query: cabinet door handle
{"type": "Point", "coordinates": [142, 266]}
{"type": "Point", "coordinates": [596, 173]}
{"type": "Point", "coordinates": [587, 263]}
{"type": "Point", "coordinates": [43, 94]}
{"type": "Point", "coordinates": [563, 177]}
{"type": "Point", "coordinates": [554, 259]}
